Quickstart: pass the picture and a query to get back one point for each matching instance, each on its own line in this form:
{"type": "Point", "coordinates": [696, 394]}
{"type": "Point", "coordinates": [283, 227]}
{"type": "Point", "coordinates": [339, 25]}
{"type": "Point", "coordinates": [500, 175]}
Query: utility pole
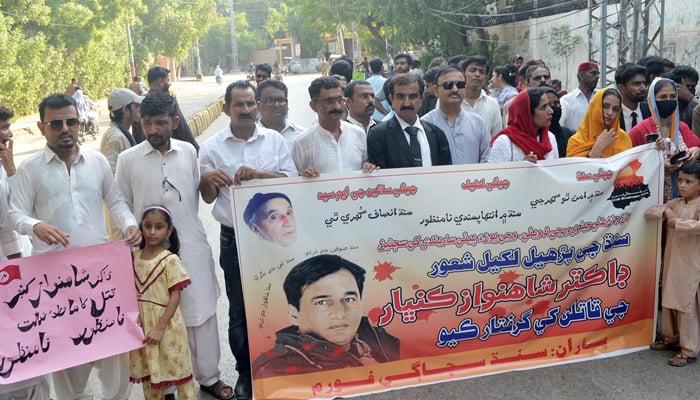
{"type": "Point", "coordinates": [631, 29]}
{"type": "Point", "coordinates": [234, 44]}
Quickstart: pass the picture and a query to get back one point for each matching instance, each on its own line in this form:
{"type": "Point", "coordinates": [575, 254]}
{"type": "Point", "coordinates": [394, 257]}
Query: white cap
{"type": "Point", "coordinates": [122, 97]}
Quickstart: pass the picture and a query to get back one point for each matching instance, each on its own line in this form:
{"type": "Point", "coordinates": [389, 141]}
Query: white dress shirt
{"type": "Point", "coordinates": [141, 176]}
{"type": "Point", "coordinates": [578, 105]}
{"type": "Point", "coordinates": [44, 190]}
{"type": "Point", "coordinates": [487, 108]}
{"type": "Point", "coordinates": [290, 132]}
{"type": "Point", "coordinates": [422, 140]}
{"type": "Point", "coordinates": [266, 150]}
{"type": "Point", "coordinates": [627, 115]}
{"type": "Point", "coordinates": [9, 239]}
{"type": "Point", "coordinates": [318, 148]}
{"type": "Point", "coordinates": [355, 122]}
{"type": "Point", "coordinates": [504, 150]}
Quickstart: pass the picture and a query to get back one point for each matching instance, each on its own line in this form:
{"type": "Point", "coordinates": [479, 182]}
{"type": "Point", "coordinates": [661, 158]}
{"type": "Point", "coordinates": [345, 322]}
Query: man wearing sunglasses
{"type": "Point", "coordinates": [403, 140]}
{"type": "Point", "coordinates": [331, 145]}
{"type": "Point", "coordinates": [263, 72]}
{"type": "Point", "coordinates": [44, 204]}
{"type": "Point", "coordinates": [476, 100]}
{"type": "Point", "coordinates": [466, 131]}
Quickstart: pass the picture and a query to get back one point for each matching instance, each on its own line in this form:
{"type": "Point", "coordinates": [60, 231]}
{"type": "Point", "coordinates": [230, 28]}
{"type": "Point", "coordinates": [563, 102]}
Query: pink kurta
{"type": "Point", "coordinates": [168, 362]}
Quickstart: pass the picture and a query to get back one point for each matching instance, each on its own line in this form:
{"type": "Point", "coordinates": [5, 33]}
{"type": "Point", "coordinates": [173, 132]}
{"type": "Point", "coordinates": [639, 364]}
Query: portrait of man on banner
{"type": "Point", "coordinates": [271, 217]}
{"type": "Point", "coordinates": [328, 329]}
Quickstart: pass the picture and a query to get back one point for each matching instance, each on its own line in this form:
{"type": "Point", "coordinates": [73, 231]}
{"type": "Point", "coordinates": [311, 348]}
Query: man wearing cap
{"type": "Point", "coordinates": [579, 98]}
{"type": "Point", "coordinates": [123, 107]}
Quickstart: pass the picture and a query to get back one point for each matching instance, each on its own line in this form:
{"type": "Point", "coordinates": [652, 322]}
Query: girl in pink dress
{"type": "Point", "coordinates": [160, 276]}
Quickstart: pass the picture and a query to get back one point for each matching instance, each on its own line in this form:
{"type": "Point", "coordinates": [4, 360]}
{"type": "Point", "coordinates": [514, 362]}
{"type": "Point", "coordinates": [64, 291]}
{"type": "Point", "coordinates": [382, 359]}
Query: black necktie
{"type": "Point", "coordinates": [414, 145]}
{"type": "Point", "coordinates": [634, 119]}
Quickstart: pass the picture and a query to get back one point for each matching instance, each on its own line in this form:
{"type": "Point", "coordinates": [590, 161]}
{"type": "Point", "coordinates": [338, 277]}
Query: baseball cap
{"type": "Point", "coordinates": [122, 97]}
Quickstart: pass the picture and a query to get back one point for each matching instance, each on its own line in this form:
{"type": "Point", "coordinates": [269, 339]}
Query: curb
{"type": "Point", "coordinates": [201, 120]}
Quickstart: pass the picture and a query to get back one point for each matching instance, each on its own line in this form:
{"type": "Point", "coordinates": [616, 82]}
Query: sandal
{"type": "Point", "coordinates": [681, 360]}
{"type": "Point", "coordinates": [664, 345]}
{"type": "Point", "coordinates": [218, 389]}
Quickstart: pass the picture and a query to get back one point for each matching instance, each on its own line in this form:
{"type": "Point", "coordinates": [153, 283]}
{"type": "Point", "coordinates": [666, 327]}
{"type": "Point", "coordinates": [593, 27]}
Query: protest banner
{"type": "Point", "coordinates": [66, 308]}
{"type": "Point", "coordinates": [470, 270]}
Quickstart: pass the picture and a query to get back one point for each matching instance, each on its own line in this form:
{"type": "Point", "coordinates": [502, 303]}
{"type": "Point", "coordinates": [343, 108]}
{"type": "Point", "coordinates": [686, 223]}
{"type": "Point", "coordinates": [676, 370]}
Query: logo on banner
{"type": "Point", "coordinates": [628, 186]}
{"type": "Point", "coordinates": [9, 274]}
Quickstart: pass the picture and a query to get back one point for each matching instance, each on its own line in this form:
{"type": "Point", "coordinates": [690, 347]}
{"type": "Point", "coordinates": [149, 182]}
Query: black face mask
{"type": "Point", "coordinates": [666, 107]}
{"type": "Point", "coordinates": [556, 115]}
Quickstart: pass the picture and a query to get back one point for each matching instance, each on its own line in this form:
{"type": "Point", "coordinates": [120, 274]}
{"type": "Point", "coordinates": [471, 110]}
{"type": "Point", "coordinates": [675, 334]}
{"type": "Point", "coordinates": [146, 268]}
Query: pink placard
{"type": "Point", "coordinates": [66, 308]}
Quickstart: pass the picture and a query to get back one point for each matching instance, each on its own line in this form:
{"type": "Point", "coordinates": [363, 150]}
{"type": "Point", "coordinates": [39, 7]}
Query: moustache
{"type": "Point", "coordinates": [407, 108]}
{"type": "Point", "coordinates": [245, 116]}
{"type": "Point", "coordinates": [336, 111]}
{"type": "Point", "coordinates": [369, 107]}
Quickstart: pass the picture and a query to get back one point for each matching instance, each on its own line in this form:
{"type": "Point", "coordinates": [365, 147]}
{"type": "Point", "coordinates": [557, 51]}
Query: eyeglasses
{"type": "Point", "coordinates": [450, 84]}
{"type": "Point", "coordinates": [273, 101]}
{"type": "Point", "coordinates": [330, 102]}
{"type": "Point", "coordinates": [541, 77]}
{"type": "Point", "coordinates": [168, 183]}
{"type": "Point", "coordinates": [57, 124]}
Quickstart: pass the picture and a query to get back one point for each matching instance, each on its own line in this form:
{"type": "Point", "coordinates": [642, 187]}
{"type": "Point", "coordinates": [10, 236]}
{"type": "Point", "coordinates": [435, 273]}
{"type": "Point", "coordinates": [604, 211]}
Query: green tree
{"type": "Point", "coordinates": [563, 44]}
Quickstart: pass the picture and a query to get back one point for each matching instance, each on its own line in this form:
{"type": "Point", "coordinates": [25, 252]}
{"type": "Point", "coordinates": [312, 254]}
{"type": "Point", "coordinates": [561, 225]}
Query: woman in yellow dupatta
{"type": "Point", "coordinates": [599, 134]}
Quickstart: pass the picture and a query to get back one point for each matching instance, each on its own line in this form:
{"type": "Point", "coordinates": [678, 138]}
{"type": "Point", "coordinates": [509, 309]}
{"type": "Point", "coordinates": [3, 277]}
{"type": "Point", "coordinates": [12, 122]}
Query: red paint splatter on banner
{"type": "Point", "coordinates": [374, 315]}
{"type": "Point", "coordinates": [424, 315]}
{"type": "Point", "coordinates": [497, 312]}
{"type": "Point", "coordinates": [383, 271]}
{"type": "Point", "coordinates": [540, 308]}
{"type": "Point", "coordinates": [509, 277]}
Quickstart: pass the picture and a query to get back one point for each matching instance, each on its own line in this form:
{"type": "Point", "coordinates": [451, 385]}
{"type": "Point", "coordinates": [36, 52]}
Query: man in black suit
{"type": "Point", "coordinates": [404, 140]}
{"type": "Point", "coordinates": [631, 82]}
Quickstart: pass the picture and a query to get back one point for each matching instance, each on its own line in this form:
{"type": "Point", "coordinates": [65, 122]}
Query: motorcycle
{"type": "Point", "coordinates": [87, 115]}
{"type": "Point", "coordinates": [219, 79]}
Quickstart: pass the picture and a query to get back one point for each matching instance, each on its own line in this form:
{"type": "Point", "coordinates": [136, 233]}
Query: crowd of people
{"type": "Point", "coordinates": [151, 172]}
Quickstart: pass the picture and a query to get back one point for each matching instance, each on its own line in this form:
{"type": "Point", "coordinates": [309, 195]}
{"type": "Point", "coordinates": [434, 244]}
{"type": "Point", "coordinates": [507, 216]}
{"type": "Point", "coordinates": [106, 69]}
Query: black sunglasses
{"type": "Point", "coordinates": [450, 84]}
{"type": "Point", "coordinates": [58, 123]}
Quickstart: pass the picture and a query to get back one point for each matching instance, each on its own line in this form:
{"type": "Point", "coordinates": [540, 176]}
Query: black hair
{"type": "Point", "coordinates": [403, 79]}
{"type": "Point", "coordinates": [239, 84]}
{"type": "Point", "coordinates": [376, 65]}
{"type": "Point", "coordinates": [6, 113]}
{"type": "Point", "coordinates": [535, 95]}
{"type": "Point", "coordinates": [116, 115]}
{"type": "Point", "coordinates": [415, 64]}
{"type": "Point", "coordinates": [431, 76]}
{"type": "Point", "coordinates": [54, 102]}
{"type": "Point", "coordinates": [158, 103]}
{"type": "Point", "coordinates": [691, 167]}
{"type": "Point", "coordinates": [324, 82]}
{"type": "Point", "coordinates": [172, 239]}
{"type": "Point", "coordinates": [342, 68]}
{"type": "Point", "coordinates": [442, 71]}
{"type": "Point", "coordinates": [350, 88]}
{"type": "Point", "coordinates": [507, 72]}
{"type": "Point", "coordinates": [455, 60]}
{"type": "Point", "coordinates": [312, 269]}
{"type": "Point", "coordinates": [612, 92]}
{"type": "Point", "coordinates": [273, 83]}
{"type": "Point", "coordinates": [527, 64]}
{"type": "Point", "coordinates": [662, 84]}
{"type": "Point", "coordinates": [680, 72]}
{"type": "Point", "coordinates": [478, 60]}
{"type": "Point", "coordinates": [257, 201]}
{"type": "Point", "coordinates": [264, 67]}
{"type": "Point", "coordinates": [627, 71]}
{"type": "Point", "coordinates": [531, 69]}
{"type": "Point", "coordinates": [407, 56]}
{"type": "Point", "coordinates": [385, 89]}
{"type": "Point", "coordinates": [156, 73]}
{"type": "Point", "coordinates": [137, 78]}
{"type": "Point", "coordinates": [655, 66]}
